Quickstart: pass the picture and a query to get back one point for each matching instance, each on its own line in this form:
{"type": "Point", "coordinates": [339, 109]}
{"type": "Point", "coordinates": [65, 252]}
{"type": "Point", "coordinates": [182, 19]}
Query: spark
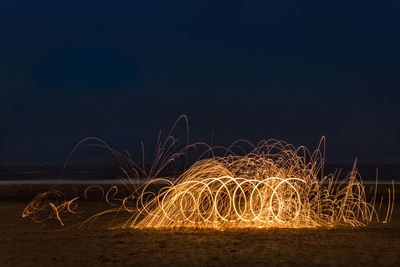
{"type": "Point", "coordinates": [275, 184]}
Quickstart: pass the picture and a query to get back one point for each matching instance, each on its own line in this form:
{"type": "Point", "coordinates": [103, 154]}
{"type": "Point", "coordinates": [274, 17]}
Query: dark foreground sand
{"type": "Point", "coordinates": [24, 243]}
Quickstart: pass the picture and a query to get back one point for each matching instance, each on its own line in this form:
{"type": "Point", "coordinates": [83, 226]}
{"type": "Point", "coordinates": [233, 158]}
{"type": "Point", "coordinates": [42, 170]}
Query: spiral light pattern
{"type": "Point", "coordinates": [273, 185]}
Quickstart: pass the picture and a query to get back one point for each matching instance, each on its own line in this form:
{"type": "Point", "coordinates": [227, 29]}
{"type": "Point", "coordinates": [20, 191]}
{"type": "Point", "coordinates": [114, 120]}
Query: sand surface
{"type": "Point", "coordinates": [25, 243]}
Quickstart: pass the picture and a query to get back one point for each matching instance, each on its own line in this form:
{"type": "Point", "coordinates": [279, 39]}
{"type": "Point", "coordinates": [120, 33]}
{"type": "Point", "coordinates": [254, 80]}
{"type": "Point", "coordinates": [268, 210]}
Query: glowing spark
{"type": "Point", "coordinates": [273, 185]}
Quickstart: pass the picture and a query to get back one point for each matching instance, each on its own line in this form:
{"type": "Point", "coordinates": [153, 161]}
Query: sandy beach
{"type": "Point", "coordinates": [25, 243]}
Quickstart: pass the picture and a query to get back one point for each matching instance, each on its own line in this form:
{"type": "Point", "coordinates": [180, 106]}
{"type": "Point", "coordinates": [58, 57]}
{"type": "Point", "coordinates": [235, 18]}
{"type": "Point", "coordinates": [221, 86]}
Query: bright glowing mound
{"type": "Point", "coordinates": [273, 186]}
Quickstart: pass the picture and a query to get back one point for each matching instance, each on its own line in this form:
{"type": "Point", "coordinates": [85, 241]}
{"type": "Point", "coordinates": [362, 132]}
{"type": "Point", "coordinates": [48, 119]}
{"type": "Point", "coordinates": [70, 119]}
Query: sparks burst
{"type": "Point", "coordinates": [273, 185]}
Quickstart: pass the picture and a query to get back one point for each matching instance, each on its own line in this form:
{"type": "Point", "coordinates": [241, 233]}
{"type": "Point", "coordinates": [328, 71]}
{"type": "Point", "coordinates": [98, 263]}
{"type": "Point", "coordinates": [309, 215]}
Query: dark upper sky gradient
{"type": "Point", "coordinates": [122, 70]}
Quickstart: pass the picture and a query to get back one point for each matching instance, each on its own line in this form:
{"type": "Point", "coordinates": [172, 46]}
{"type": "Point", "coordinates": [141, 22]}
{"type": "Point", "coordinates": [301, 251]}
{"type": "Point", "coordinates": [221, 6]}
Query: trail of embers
{"type": "Point", "coordinates": [274, 185]}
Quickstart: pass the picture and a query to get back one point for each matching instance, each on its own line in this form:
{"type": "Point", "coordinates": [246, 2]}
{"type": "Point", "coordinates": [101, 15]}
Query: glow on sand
{"type": "Point", "coordinates": [273, 185]}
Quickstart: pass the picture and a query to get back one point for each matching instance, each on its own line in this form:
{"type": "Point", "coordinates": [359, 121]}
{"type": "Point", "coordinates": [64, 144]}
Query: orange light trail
{"type": "Point", "coordinates": [273, 185]}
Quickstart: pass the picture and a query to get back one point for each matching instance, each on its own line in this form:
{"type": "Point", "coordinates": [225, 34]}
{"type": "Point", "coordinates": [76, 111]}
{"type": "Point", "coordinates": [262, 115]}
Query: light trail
{"type": "Point", "coordinates": [273, 185]}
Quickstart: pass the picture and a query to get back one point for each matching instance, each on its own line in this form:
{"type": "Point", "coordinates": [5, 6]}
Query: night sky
{"type": "Point", "coordinates": [122, 70]}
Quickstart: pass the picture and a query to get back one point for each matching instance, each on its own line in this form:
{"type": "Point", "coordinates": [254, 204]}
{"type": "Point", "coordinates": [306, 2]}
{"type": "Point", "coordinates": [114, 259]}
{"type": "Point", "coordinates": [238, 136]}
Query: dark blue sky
{"type": "Point", "coordinates": [122, 70]}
